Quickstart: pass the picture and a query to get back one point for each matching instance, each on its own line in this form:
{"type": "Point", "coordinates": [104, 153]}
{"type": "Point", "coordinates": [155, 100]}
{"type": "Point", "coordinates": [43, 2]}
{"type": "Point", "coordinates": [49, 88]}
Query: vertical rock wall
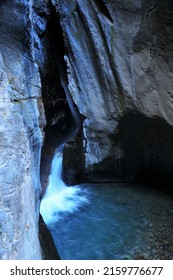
{"type": "Point", "coordinates": [120, 76]}
{"type": "Point", "coordinates": [21, 123]}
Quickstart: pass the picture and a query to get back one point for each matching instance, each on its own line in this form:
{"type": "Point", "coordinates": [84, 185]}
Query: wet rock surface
{"type": "Point", "coordinates": [73, 150]}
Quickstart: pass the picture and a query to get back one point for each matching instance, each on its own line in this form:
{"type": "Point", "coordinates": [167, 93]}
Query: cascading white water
{"type": "Point", "coordinates": [59, 198]}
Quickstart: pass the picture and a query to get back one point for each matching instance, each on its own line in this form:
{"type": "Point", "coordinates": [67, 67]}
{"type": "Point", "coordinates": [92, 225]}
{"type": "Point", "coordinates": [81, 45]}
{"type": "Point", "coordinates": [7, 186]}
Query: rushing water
{"type": "Point", "coordinates": [108, 221]}
{"type": "Point", "coordinates": [59, 198]}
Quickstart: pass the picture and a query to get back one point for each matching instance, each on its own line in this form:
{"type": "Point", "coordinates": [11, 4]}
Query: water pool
{"type": "Point", "coordinates": [107, 221]}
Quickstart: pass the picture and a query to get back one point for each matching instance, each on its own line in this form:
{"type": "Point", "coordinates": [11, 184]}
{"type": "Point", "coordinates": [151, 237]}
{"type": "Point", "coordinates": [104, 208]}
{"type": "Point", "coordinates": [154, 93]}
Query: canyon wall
{"type": "Point", "coordinates": [120, 75]}
{"type": "Point", "coordinates": [29, 130]}
{"type": "Point", "coordinates": [21, 122]}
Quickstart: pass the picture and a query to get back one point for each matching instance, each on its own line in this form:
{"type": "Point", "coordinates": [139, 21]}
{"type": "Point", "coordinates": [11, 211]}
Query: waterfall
{"type": "Point", "coordinates": [59, 198]}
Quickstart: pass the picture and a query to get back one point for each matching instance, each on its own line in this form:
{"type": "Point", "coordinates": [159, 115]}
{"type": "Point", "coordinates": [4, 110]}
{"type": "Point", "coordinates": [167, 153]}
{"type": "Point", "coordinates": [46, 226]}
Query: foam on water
{"type": "Point", "coordinates": [59, 198]}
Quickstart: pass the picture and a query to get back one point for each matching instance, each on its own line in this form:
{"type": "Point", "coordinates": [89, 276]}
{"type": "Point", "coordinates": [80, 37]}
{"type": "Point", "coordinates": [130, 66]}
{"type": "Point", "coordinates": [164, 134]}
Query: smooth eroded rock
{"type": "Point", "coordinates": [120, 77]}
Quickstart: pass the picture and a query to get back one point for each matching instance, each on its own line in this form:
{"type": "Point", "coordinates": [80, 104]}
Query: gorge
{"type": "Point", "coordinates": [96, 77]}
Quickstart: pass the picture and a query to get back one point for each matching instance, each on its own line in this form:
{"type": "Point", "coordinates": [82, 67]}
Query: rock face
{"type": "Point", "coordinates": [21, 122]}
{"type": "Point", "coordinates": [120, 76]}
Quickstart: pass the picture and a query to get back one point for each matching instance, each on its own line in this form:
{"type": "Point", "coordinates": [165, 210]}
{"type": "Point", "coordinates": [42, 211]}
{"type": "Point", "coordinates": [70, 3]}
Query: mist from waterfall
{"type": "Point", "coordinates": [60, 198]}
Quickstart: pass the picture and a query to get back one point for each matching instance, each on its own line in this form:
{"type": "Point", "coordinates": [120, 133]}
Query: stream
{"type": "Point", "coordinates": [107, 221]}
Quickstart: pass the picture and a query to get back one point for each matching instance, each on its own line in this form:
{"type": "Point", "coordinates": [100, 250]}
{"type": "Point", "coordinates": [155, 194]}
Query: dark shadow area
{"type": "Point", "coordinates": [60, 122]}
{"type": "Point", "coordinates": [155, 180]}
{"type": "Point", "coordinates": [103, 9]}
{"type": "Point", "coordinates": [145, 154]}
{"type": "Point", "coordinates": [148, 150]}
{"type": "Point", "coordinates": [157, 18]}
{"type": "Point", "coordinates": [49, 251]}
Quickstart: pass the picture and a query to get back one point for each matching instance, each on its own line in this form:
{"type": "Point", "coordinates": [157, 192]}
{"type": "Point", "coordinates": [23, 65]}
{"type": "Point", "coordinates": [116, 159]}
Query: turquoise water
{"type": "Point", "coordinates": [109, 221]}
{"type": "Point", "coordinates": [119, 222]}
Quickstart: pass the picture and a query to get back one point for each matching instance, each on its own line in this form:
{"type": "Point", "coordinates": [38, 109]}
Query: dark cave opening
{"type": "Point", "coordinates": [147, 143]}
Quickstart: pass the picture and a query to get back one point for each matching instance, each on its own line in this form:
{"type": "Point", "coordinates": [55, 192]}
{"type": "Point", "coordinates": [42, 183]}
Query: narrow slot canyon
{"type": "Point", "coordinates": [62, 123]}
{"type": "Point", "coordinates": [86, 130]}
